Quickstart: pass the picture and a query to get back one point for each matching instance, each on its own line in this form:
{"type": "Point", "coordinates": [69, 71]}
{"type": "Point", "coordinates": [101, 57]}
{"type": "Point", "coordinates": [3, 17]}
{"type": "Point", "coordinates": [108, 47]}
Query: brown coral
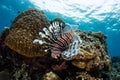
{"type": "Point", "coordinates": [93, 54]}
{"type": "Point", "coordinates": [24, 30]}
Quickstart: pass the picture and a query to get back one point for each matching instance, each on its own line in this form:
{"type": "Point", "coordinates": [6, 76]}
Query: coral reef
{"type": "Point", "coordinates": [21, 73]}
{"type": "Point", "coordinates": [51, 76]}
{"type": "Point", "coordinates": [26, 49]}
{"type": "Point", "coordinates": [115, 68]}
{"type": "Point", "coordinates": [93, 54]}
{"type": "Point", "coordinates": [86, 76]}
{"type": "Point", "coordinates": [60, 67]}
{"type": "Point", "coordinates": [4, 75]}
{"type": "Point", "coordinates": [24, 29]}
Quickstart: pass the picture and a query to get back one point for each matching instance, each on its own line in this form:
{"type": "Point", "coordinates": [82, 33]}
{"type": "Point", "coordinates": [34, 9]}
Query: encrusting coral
{"type": "Point", "coordinates": [93, 54]}
{"type": "Point", "coordinates": [29, 50]}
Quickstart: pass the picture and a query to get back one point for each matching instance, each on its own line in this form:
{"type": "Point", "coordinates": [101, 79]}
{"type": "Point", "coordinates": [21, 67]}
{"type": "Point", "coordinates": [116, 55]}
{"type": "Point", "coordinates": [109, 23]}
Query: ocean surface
{"type": "Point", "coordinates": [93, 15]}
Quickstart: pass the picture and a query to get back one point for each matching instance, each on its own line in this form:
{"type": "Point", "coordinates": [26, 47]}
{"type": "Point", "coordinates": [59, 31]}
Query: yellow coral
{"type": "Point", "coordinates": [93, 52]}
{"type": "Point", "coordinates": [51, 76]}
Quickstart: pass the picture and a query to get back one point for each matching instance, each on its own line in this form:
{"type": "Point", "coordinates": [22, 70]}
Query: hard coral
{"type": "Point", "coordinates": [25, 28]}
{"type": "Point", "coordinates": [89, 59]}
{"type": "Point", "coordinates": [93, 54]}
{"type": "Point", "coordinates": [51, 76]}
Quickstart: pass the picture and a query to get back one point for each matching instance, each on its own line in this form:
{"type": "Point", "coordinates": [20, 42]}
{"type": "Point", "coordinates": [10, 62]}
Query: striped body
{"type": "Point", "coordinates": [61, 44]}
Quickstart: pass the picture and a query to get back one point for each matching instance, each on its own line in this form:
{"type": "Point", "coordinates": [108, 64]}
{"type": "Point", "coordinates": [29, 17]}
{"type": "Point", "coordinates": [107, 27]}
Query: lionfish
{"type": "Point", "coordinates": [60, 43]}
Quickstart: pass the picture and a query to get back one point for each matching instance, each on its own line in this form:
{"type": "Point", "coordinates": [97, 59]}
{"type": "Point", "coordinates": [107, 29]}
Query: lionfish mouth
{"type": "Point", "coordinates": [61, 44]}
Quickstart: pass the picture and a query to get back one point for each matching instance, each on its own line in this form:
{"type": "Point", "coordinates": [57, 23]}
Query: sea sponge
{"type": "Point", "coordinates": [24, 29]}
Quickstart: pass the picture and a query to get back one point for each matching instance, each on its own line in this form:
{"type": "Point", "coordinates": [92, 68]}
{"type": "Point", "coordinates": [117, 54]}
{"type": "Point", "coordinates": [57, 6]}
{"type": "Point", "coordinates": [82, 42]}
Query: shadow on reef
{"type": "Point", "coordinates": [23, 59]}
{"type": "Point", "coordinates": [115, 68]}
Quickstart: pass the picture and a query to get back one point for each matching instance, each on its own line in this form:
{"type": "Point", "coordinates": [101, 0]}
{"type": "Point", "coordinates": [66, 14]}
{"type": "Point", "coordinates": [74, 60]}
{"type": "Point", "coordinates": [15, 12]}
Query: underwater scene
{"type": "Point", "coordinates": [59, 40]}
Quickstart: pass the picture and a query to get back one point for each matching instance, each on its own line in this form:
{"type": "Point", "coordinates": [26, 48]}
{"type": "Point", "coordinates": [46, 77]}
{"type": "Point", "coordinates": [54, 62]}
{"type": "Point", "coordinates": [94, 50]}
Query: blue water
{"type": "Point", "coordinates": [102, 15]}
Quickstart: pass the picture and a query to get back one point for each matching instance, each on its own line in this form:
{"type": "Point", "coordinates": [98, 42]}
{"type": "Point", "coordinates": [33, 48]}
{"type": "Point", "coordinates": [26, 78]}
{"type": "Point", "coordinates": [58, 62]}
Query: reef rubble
{"type": "Point", "coordinates": [24, 60]}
